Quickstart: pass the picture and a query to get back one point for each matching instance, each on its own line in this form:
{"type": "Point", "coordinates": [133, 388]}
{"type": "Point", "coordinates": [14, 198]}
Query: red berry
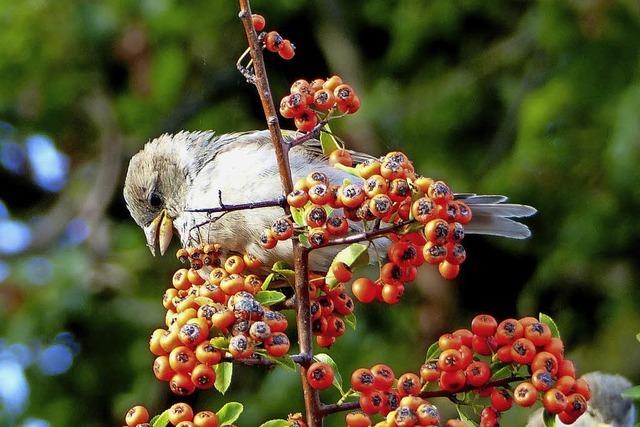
{"type": "Point", "coordinates": [258, 22]}
{"type": "Point", "coordinates": [484, 325]}
{"type": "Point", "coordinates": [362, 380]}
{"type": "Point", "coordinates": [501, 399]}
{"type": "Point", "coordinates": [508, 331]}
{"type": "Point", "coordinates": [273, 41]}
{"type": "Point", "coordinates": [523, 351]}
{"type": "Point", "coordinates": [383, 376]}
{"type": "Point", "coordinates": [320, 375]}
{"type": "Point", "coordinates": [525, 394]}
{"type": "Point", "coordinates": [287, 50]}
{"type": "Point", "coordinates": [554, 401]}
{"type": "Point", "coordinates": [478, 373]}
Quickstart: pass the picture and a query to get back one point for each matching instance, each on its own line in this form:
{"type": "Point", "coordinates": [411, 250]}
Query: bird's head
{"type": "Point", "coordinates": [155, 188]}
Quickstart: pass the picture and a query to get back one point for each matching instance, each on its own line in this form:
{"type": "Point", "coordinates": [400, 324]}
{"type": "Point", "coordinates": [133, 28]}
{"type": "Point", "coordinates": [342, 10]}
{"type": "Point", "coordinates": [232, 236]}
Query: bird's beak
{"type": "Point", "coordinates": [161, 229]}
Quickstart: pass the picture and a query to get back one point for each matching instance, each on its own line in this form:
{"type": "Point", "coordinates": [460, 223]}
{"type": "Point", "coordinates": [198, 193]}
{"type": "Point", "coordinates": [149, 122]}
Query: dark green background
{"type": "Point", "coordinates": [539, 100]}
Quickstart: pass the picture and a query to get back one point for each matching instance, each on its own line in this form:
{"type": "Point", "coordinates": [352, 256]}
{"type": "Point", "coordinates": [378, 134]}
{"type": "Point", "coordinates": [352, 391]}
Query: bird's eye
{"type": "Point", "coordinates": [155, 200]}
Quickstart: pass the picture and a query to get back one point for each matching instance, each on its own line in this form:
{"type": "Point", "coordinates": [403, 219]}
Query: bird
{"type": "Point", "coordinates": [607, 407]}
{"type": "Point", "coordinates": [175, 174]}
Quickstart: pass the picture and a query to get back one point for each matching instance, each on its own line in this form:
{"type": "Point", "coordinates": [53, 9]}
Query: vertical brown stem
{"type": "Point", "coordinates": [301, 256]}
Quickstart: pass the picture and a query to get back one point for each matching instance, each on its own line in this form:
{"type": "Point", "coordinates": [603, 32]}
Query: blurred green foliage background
{"type": "Point", "coordinates": [539, 100]}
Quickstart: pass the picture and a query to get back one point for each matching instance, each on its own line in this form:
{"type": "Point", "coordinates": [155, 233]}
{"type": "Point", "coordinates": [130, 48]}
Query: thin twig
{"type": "Point", "coordinates": [350, 406]}
{"type": "Point", "coordinates": [367, 235]}
{"type": "Point", "coordinates": [312, 134]}
{"type": "Point", "coordinates": [279, 202]}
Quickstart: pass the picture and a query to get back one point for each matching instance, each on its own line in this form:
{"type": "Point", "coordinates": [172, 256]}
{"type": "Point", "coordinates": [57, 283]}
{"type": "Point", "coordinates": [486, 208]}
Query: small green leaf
{"type": "Point", "coordinates": [203, 301]}
{"type": "Point", "coordinates": [350, 319]}
{"type": "Point", "coordinates": [549, 419]}
{"type": "Point", "coordinates": [304, 240]}
{"type": "Point", "coordinates": [555, 332]}
{"type": "Point", "coordinates": [632, 393]}
{"type": "Point", "coordinates": [432, 352]}
{"type": "Point", "coordinates": [161, 420]}
{"type": "Point", "coordinates": [465, 418]}
{"type": "Point", "coordinates": [275, 423]}
{"type": "Point", "coordinates": [298, 216]}
{"type": "Point", "coordinates": [504, 372]}
{"type": "Point", "coordinates": [284, 270]}
{"type": "Point", "coordinates": [284, 361]}
{"type": "Point", "coordinates": [349, 255]}
{"type": "Point", "coordinates": [220, 342]}
{"type": "Point", "coordinates": [267, 281]}
{"type": "Point", "coordinates": [224, 372]}
{"type": "Point", "coordinates": [328, 142]}
{"type": "Point", "coordinates": [347, 169]}
{"type": "Point", "coordinates": [337, 378]}
{"type": "Point", "coordinates": [229, 413]}
{"type": "Point", "coordinates": [268, 298]}
{"type": "Point", "coordinates": [638, 337]}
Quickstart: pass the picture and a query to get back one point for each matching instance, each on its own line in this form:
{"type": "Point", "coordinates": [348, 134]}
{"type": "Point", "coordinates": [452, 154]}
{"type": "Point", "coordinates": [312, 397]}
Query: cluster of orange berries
{"type": "Point", "coordinates": [328, 308]}
{"type": "Point", "coordinates": [180, 415]}
{"type": "Point", "coordinates": [524, 342]}
{"type": "Point", "coordinates": [273, 41]}
{"type": "Point", "coordinates": [200, 312]}
{"type": "Point", "coordinates": [400, 404]}
{"type": "Point", "coordinates": [306, 101]}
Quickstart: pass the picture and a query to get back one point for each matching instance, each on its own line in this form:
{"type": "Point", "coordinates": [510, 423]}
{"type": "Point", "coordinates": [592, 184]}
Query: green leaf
{"type": "Point", "coordinates": [350, 320]}
{"type": "Point", "coordinates": [555, 332]}
{"type": "Point", "coordinates": [350, 256]}
{"type": "Point", "coordinates": [504, 372]}
{"type": "Point", "coordinates": [267, 281]}
{"type": "Point", "coordinates": [632, 393]}
{"type": "Point", "coordinates": [275, 423]}
{"type": "Point", "coordinates": [464, 417]}
{"type": "Point", "coordinates": [347, 169]}
{"type": "Point", "coordinates": [337, 378]}
{"type": "Point", "coordinates": [638, 337]}
{"type": "Point", "coordinates": [229, 413]}
{"type": "Point", "coordinates": [304, 240]}
{"type": "Point", "coordinates": [161, 420]}
{"type": "Point", "coordinates": [284, 361]}
{"type": "Point", "coordinates": [220, 342]}
{"type": "Point", "coordinates": [328, 142]}
{"type": "Point", "coordinates": [268, 298]}
{"type": "Point", "coordinates": [549, 419]}
{"type": "Point", "coordinates": [284, 269]}
{"type": "Point", "coordinates": [224, 372]}
{"type": "Point", "coordinates": [298, 216]}
{"type": "Point", "coordinates": [432, 352]}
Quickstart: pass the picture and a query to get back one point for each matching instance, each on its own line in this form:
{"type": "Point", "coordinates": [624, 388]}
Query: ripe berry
{"type": "Point", "coordinates": [137, 415]}
{"type": "Point", "coordinates": [337, 225]}
{"type": "Point", "coordinates": [319, 194]}
{"type": "Point", "coordinates": [208, 354]}
{"type": "Point", "coordinates": [434, 253]}
{"type": "Point", "coordinates": [542, 380]}
{"type": "Point", "coordinates": [391, 401]}
{"type": "Point", "coordinates": [341, 156]}
{"type": "Point", "coordinates": [576, 405]}
{"type": "Point", "coordinates": [306, 121]}
{"type": "Point", "coordinates": [484, 325]}
{"type": "Point", "coordinates": [267, 240]}
{"type": "Point", "coordinates": [324, 99]}
{"type": "Point", "coordinates": [364, 289]}
{"type": "Point", "coordinates": [391, 294]}
{"type": "Point", "coordinates": [297, 198]}
{"type": "Point", "coordinates": [453, 380]}
{"type": "Point", "coordinates": [380, 205]}
{"type": "Point", "coordinates": [448, 270]}
{"type": "Point", "coordinates": [545, 360]}
{"type": "Point", "coordinates": [409, 384]}
{"type": "Point", "coordinates": [180, 412]}
{"type": "Point", "coordinates": [437, 231]}
{"type": "Point", "coordinates": [258, 22]}
{"type": "Point", "coordinates": [203, 377]}
{"type": "Point", "coordinates": [181, 384]}
{"type": "Point", "coordinates": [554, 401]}
{"type": "Point", "coordinates": [383, 376]}
{"type": "Point", "coordinates": [523, 351]}
{"type": "Point", "coordinates": [362, 380]}
{"type": "Point", "coordinates": [428, 414]}
{"type": "Point", "coordinates": [357, 419]}
{"type": "Point", "coordinates": [331, 83]}
{"type": "Point", "coordinates": [240, 347]}
{"type": "Point", "coordinates": [320, 375]}
{"type": "Point", "coordinates": [182, 359]}
{"type": "Point", "coordinates": [508, 330]}
{"type": "Point", "coordinates": [501, 399]}
{"type": "Point", "coordinates": [478, 373]}
{"type": "Point", "coordinates": [439, 192]}
{"type": "Point", "coordinates": [351, 195]}
{"type": "Point", "coordinates": [162, 369]}
{"type": "Point", "coordinates": [276, 321]}
{"type": "Point", "coordinates": [318, 237]}
{"type": "Point", "coordinates": [205, 419]}
{"type": "Point", "coordinates": [259, 331]}
{"type": "Point", "coordinates": [429, 372]}
{"type": "Point", "coordinates": [582, 387]}
{"type": "Point", "coordinates": [525, 394]}
{"type": "Point", "coordinates": [282, 228]}
{"type": "Point", "coordinates": [566, 368]}
{"type": "Point", "coordinates": [449, 360]}
{"type": "Point", "coordinates": [316, 216]}
{"type": "Point", "coordinates": [277, 345]}
{"type": "Point", "coordinates": [273, 41]}
{"type": "Point", "coordinates": [371, 403]}
{"type": "Point", "coordinates": [483, 345]}
{"type": "Point", "coordinates": [539, 333]}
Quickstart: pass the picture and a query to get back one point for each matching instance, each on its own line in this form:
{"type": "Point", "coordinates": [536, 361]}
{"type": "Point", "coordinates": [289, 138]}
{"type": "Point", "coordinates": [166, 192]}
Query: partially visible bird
{"type": "Point", "coordinates": [607, 407]}
{"type": "Point", "coordinates": [188, 170]}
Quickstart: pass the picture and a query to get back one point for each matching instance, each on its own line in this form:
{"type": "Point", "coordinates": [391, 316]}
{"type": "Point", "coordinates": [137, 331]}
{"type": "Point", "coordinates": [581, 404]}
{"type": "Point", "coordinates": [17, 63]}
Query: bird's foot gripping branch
{"type": "Point", "coordinates": [226, 308]}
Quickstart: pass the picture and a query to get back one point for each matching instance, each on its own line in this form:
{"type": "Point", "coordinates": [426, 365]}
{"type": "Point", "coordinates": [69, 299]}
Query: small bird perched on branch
{"type": "Point", "coordinates": [175, 174]}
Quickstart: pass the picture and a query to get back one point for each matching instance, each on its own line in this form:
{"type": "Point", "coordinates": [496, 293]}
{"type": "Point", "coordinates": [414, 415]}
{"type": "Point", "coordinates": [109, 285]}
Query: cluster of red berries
{"type": "Point", "coordinates": [398, 401]}
{"type": "Point", "coordinates": [308, 103]}
{"type": "Point", "coordinates": [200, 312]}
{"type": "Point", "coordinates": [273, 41]}
{"type": "Point", "coordinates": [180, 415]}
{"type": "Point", "coordinates": [328, 308]}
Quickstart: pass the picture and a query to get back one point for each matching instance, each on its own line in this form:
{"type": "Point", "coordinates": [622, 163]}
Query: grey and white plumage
{"type": "Point", "coordinates": [187, 170]}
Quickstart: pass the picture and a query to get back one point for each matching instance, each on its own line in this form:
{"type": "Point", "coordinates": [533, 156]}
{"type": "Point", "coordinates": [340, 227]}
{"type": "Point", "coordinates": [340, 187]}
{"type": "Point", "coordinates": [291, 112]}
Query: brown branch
{"type": "Point", "coordinates": [312, 134]}
{"type": "Point", "coordinates": [350, 406]}
{"type": "Point", "coordinates": [303, 317]}
{"type": "Point", "coordinates": [279, 202]}
{"type": "Point", "coordinates": [376, 233]}
{"type": "Point", "coordinates": [258, 360]}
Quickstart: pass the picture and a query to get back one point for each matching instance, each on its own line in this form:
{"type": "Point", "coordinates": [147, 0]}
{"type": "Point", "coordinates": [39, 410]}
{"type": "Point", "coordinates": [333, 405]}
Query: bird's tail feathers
{"type": "Point", "coordinates": [492, 216]}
